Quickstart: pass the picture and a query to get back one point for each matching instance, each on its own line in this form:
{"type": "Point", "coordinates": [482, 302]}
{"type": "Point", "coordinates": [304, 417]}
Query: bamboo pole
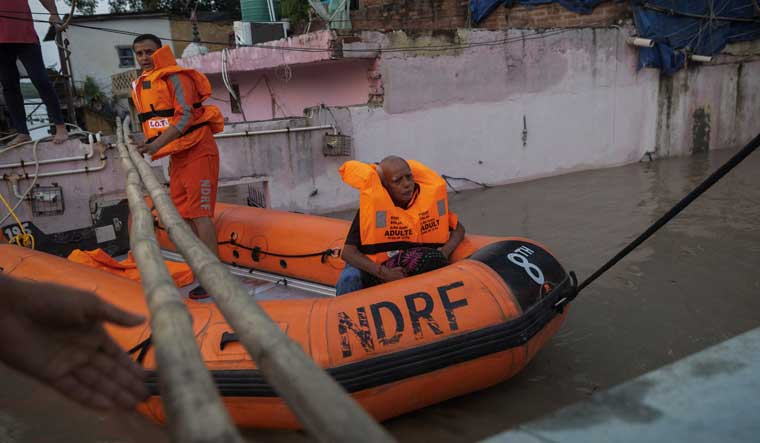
{"type": "Point", "coordinates": [324, 409]}
{"type": "Point", "coordinates": [194, 409]}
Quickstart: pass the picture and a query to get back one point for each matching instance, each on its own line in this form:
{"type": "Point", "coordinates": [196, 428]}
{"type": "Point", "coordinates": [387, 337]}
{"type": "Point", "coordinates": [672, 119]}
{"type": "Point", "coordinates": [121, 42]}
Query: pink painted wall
{"type": "Point", "coordinates": [270, 94]}
{"type": "Point", "coordinates": [313, 47]}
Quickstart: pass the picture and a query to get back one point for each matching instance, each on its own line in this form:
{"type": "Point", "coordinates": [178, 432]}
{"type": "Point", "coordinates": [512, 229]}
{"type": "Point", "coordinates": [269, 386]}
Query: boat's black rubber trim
{"type": "Point", "coordinates": [389, 368]}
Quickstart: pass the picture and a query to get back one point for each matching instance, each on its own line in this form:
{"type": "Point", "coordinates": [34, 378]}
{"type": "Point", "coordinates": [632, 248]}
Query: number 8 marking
{"type": "Point", "coordinates": [533, 271]}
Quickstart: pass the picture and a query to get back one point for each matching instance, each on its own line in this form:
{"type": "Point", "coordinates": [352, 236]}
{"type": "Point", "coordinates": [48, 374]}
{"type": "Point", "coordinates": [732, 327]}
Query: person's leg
{"type": "Point", "coordinates": [205, 230]}
{"type": "Point", "coordinates": [10, 80]}
{"type": "Point", "coordinates": [199, 182]}
{"type": "Point", "coordinates": [350, 280]}
{"type": "Point", "coordinates": [31, 56]}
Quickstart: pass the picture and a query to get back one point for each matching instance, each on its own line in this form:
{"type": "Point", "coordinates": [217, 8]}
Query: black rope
{"type": "Point", "coordinates": [258, 250]}
{"type": "Point", "coordinates": [680, 206]}
{"type": "Point", "coordinates": [669, 11]}
{"type": "Point", "coordinates": [143, 347]}
{"type": "Point", "coordinates": [446, 178]}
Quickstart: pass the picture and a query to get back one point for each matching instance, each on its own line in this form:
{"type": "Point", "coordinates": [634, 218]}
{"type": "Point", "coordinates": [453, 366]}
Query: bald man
{"type": "Point", "coordinates": [403, 206]}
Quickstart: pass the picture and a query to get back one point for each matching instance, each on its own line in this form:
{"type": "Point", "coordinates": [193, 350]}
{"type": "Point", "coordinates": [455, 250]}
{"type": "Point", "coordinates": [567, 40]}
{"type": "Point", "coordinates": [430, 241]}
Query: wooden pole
{"type": "Point", "coordinates": [194, 409]}
{"type": "Point", "coordinates": [322, 406]}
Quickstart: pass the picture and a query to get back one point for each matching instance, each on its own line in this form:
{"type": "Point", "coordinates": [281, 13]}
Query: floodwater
{"type": "Point", "coordinates": [693, 284]}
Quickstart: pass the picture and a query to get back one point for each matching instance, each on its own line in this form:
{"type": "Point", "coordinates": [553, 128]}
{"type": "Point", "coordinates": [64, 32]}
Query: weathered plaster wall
{"type": "Point", "coordinates": [577, 92]}
{"type": "Point", "coordinates": [299, 177]}
{"type": "Point", "coordinates": [79, 189]}
{"type": "Point", "coordinates": [516, 106]}
{"type": "Point", "coordinates": [286, 92]}
{"type": "Point", "coordinates": [310, 48]}
{"type": "Point", "coordinates": [708, 107]}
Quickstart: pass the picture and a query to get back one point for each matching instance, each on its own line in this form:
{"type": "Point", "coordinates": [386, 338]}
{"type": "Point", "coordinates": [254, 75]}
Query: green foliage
{"type": "Point", "coordinates": [86, 7]}
{"type": "Point", "coordinates": [178, 7]}
{"type": "Point", "coordinates": [295, 10]}
{"type": "Point", "coordinates": [91, 92]}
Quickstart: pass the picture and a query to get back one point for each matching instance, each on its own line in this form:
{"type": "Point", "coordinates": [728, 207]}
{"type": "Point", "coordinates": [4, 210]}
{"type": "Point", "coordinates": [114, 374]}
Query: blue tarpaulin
{"type": "Point", "coordinates": [682, 27]}
{"type": "Point", "coordinates": [678, 27]}
{"type": "Point", "coordinates": [483, 8]}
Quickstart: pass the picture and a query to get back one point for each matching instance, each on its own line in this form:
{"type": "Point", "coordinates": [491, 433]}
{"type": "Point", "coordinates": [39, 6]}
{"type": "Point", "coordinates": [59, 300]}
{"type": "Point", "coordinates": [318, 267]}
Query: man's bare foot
{"type": "Point", "coordinates": [61, 135]}
{"type": "Point", "coordinates": [18, 139]}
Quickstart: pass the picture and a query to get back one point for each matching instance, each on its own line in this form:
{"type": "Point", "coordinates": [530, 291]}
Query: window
{"type": "Point", "coordinates": [126, 57]}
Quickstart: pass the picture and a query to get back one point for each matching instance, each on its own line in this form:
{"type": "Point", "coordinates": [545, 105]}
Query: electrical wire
{"type": "Point", "coordinates": [228, 85]}
{"type": "Point", "coordinates": [670, 11]}
{"type": "Point", "coordinates": [432, 48]}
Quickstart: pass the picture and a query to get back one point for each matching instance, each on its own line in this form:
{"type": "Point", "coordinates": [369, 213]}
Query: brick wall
{"type": "Point", "coordinates": [452, 14]}
{"type": "Point", "coordinates": [209, 32]}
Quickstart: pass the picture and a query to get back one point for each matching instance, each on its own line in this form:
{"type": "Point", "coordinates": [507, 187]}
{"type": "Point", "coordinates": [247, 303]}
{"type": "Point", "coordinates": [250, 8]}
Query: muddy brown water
{"type": "Point", "coordinates": [692, 285]}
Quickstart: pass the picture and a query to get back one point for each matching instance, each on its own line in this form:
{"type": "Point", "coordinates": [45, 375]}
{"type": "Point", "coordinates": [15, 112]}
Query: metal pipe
{"type": "Point", "coordinates": [274, 131]}
{"type": "Point", "coordinates": [640, 42]}
{"type": "Point", "coordinates": [86, 169]}
{"type": "Point", "coordinates": [87, 156]}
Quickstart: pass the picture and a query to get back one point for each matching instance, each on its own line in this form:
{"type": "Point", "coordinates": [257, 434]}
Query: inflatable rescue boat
{"type": "Point", "coordinates": [395, 347]}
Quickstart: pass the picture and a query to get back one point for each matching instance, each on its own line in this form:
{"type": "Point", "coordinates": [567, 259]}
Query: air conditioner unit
{"type": "Point", "coordinates": [243, 36]}
{"type": "Point", "coordinates": [251, 33]}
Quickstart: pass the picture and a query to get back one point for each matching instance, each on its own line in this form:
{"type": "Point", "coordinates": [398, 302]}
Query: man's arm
{"type": "Point", "coordinates": [55, 334]}
{"type": "Point", "coordinates": [355, 258]}
{"type": "Point", "coordinates": [455, 237]}
{"type": "Point", "coordinates": [53, 10]}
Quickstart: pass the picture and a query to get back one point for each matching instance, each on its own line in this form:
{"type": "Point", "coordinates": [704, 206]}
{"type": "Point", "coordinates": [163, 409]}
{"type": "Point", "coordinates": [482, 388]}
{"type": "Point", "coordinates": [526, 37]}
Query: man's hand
{"type": "Point", "coordinates": [56, 21]}
{"type": "Point", "coordinates": [391, 274]}
{"type": "Point", "coordinates": [56, 335]}
{"type": "Point", "coordinates": [142, 147]}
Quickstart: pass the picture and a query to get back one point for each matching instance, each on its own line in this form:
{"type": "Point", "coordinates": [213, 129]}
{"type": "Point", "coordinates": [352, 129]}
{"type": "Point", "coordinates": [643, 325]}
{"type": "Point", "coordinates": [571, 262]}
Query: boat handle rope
{"type": "Point", "coordinates": [675, 210]}
{"type": "Point", "coordinates": [143, 347]}
{"type": "Point", "coordinates": [256, 251]}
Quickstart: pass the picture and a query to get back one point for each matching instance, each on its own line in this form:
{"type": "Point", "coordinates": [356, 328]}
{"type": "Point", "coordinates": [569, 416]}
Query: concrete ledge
{"type": "Point", "coordinates": [712, 396]}
{"type": "Point", "coordinates": [307, 48]}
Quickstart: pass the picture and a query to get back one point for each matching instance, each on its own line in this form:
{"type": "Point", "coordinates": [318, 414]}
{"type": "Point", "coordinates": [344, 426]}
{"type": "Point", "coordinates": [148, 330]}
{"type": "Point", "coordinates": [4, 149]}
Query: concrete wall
{"type": "Point", "coordinates": [708, 107]}
{"type": "Point", "coordinates": [298, 176]}
{"type": "Point", "coordinates": [535, 105]}
{"type": "Point", "coordinates": [93, 52]}
{"type": "Point", "coordinates": [286, 92]}
{"type": "Point", "coordinates": [578, 94]}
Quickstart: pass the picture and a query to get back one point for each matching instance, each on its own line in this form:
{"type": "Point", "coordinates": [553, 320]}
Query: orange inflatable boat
{"type": "Point", "coordinates": [395, 347]}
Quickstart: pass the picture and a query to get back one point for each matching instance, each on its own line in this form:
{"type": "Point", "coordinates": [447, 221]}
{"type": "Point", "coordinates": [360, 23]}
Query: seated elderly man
{"type": "Point", "coordinates": [403, 226]}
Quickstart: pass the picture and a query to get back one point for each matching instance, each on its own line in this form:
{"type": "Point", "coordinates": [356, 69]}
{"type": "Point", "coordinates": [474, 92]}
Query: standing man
{"type": "Point", "coordinates": [169, 100]}
{"type": "Point", "coordinates": [19, 41]}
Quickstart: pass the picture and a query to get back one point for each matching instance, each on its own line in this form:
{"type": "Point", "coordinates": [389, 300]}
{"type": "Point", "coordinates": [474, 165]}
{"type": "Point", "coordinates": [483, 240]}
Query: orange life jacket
{"type": "Point", "coordinates": [385, 227]}
{"type": "Point", "coordinates": [155, 104]}
{"type": "Point", "coordinates": [99, 259]}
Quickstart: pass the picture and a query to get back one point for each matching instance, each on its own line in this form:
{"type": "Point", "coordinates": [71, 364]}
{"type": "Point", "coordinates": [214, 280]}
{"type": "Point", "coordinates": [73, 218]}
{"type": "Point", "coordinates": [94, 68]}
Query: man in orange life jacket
{"type": "Point", "coordinates": [175, 122]}
{"type": "Point", "coordinates": [402, 205]}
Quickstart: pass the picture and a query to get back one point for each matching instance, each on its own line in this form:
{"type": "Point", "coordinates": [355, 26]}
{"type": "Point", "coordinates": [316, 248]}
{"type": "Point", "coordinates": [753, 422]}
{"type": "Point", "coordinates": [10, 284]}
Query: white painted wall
{"type": "Point", "coordinates": [93, 52]}
{"type": "Point", "coordinates": [585, 106]}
